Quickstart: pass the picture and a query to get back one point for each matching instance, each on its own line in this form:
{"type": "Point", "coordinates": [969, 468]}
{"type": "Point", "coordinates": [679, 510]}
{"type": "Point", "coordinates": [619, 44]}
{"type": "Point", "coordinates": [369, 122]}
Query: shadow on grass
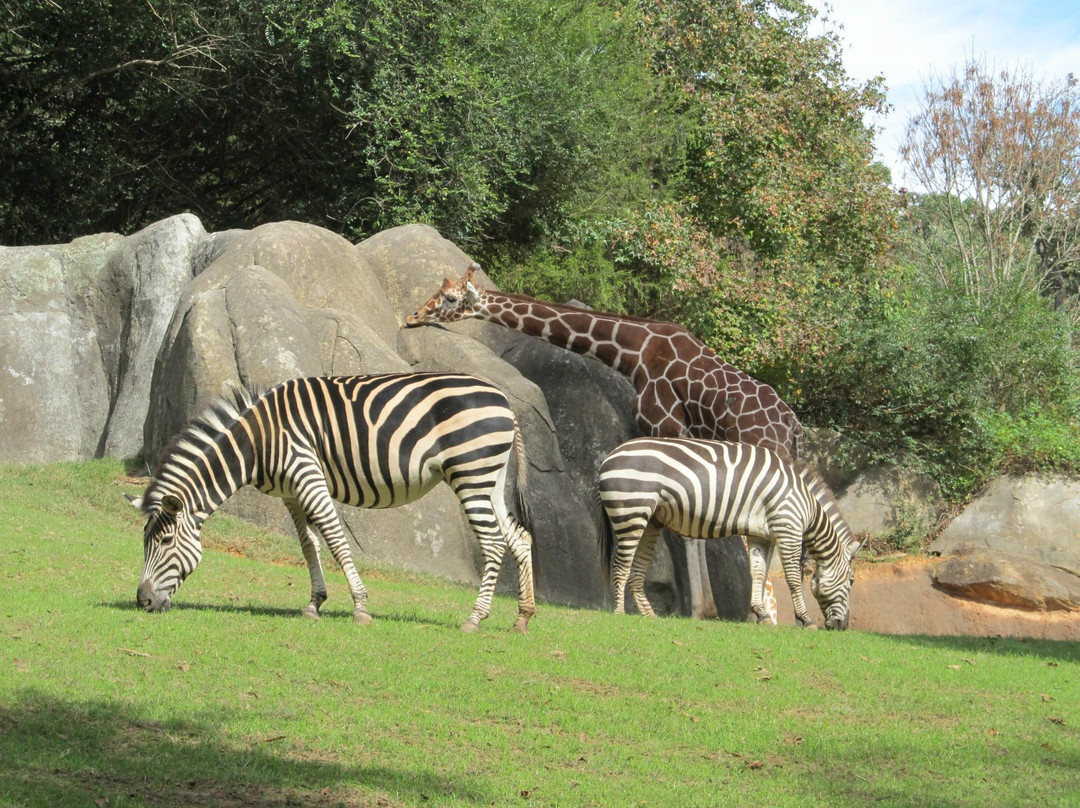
{"type": "Point", "coordinates": [1005, 646]}
{"type": "Point", "coordinates": [444, 621]}
{"type": "Point", "coordinates": [57, 752]}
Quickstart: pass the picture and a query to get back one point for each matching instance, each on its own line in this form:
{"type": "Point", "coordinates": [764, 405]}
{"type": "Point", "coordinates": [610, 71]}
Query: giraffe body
{"type": "Point", "coordinates": [683, 388]}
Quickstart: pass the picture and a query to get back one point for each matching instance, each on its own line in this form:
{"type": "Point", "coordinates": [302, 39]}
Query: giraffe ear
{"type": "Point", "coordinates": [472, 294]}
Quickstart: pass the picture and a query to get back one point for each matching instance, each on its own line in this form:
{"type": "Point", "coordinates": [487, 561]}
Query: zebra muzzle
{"type": "Point", "coordinates": [150, 600]}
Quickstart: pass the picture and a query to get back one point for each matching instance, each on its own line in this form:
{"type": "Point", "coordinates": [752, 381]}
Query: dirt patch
{"type": "Point", "coordinates": [900, 598]}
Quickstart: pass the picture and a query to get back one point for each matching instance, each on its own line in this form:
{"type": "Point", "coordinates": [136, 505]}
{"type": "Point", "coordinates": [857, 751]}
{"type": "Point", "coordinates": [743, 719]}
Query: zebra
{"type": "Point", "coordinates": [713, 489]}
{"type": "Point", "coordinates": [375, 441]}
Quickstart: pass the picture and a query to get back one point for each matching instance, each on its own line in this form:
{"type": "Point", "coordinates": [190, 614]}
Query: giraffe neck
{"type": "Point", "coordinates": [616, 341]}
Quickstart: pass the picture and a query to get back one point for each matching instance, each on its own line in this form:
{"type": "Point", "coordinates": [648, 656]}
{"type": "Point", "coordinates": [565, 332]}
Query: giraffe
{"type": "Point", "coordinates": [683, 388]}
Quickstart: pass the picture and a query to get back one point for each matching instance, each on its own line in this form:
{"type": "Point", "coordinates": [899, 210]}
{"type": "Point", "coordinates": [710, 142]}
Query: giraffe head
{"type": "Point", "coordinates": [453, 301]}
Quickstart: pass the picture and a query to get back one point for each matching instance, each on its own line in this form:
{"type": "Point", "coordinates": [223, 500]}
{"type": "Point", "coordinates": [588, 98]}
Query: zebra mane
{"type": "Point", "coordinates": [219, 416]}
{"type": "Point", "coordinates": [824, 494]}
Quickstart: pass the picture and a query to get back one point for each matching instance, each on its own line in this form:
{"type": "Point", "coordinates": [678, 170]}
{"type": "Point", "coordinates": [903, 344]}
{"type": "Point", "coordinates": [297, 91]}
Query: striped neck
{"type": "Point", "coordinates": [211, 459]}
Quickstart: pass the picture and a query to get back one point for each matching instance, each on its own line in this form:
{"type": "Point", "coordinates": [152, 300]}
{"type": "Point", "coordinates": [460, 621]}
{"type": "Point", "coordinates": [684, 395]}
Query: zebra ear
{"type": "Point", "coordinates": [171, 504]}
{"type": "Point", "coordinates": [135, 501]}
{"type": "Point", "coordinates": [852, 549]}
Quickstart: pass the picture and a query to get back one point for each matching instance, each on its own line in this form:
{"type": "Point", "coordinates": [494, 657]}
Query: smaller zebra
{"type": "Point", "coordinates": [371, 441]}
{"type": "Point", "coordinates": [706, 489]}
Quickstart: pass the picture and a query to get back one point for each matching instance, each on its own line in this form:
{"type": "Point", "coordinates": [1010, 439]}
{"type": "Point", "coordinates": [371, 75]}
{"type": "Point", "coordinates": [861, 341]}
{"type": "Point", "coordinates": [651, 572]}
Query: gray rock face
{"type": "Point", "coordinates": [1033, 516]}
{"type": "Point", "coordinates": [155, 264]}
{"type": "Point", "coordinates": [883, 500]}
{"type": "Point", "coordinates": [80, 325]}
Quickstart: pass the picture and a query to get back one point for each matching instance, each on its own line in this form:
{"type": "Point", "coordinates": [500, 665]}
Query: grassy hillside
{"type": "Point", "coordinates": [232, 699]}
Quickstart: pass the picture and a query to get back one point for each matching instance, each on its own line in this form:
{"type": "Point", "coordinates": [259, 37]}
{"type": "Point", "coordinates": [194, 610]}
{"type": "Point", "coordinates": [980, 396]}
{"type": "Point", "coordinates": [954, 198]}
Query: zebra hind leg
{"type": "Point", "coordinates": [519, 541]}
{"type": "Point", "coordinates": [492, 550]}
{"type": "Point", "coordinates": [309, 545]}
{"type": "Point", "coordinates": [639, 568]}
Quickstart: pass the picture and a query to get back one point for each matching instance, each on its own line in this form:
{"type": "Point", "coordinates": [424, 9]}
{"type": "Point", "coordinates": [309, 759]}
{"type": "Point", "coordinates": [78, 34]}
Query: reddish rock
{"type": "Point", "coordinates": [899, 597]}
{"type": "Point", "coordinates": [1007, 580]}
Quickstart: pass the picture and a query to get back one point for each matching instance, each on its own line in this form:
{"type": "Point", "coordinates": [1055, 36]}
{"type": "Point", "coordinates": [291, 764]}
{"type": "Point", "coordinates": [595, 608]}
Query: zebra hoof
{"type": "Point", "coordinates": [521, 626]}
{"type": "Point", "coordinates": [310, 612]}
{"type": "Point", "coordinates": [469, 627]}
{"type": "Point", "coordinates": [361, 618]}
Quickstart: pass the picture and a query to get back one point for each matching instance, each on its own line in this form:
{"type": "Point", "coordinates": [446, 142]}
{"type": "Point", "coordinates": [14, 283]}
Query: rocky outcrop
{"type": "Point", "coordinates": [902, 597]}
{"type": "Point", "coordinates": [80, 326]}
{"type": "Point", "coordinates": [108, 345]}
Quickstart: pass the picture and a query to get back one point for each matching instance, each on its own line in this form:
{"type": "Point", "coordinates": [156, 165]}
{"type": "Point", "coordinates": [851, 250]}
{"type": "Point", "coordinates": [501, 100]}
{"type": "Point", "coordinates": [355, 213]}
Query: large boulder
{"type": "Point", "coordinates": [155, 264]}
{"type": "Point", "coordinates": [889, 501]}
{"type": "Point", "coordinates": [905, 597]}
{"type": "Point", "coordinates": [282, 300]}
{"type": "Point", "coordinates": [1007, 580]}
{"type": "Point", "coordinates": [286, 300]}
{"type": "Point", "coordinates": [410, 262]}
{"type": "Point", "coordinates": [1032, 516]}
{"type": "Point", "coordinates": [80, 325]}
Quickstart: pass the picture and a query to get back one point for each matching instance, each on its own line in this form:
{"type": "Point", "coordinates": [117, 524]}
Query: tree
{"type": "Point", "coordinates": [778, 155]}
{"type": "Point", "coordinates": [489, 119]}
{"type": "Point", "coordinates": [998, 154]}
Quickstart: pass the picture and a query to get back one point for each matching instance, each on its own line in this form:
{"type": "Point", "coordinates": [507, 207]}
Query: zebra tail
{"type": "Point", "coordinates": [606, 538]}
{"type": "Point", "coordinates": [521, 504]}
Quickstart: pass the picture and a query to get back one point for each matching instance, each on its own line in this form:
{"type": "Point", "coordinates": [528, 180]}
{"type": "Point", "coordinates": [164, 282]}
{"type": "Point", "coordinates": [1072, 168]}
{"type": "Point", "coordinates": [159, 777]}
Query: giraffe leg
{"type": "Point", "coordinates": [708, 602]}
{"type": "Point", "coordinates": [763, 602]}
{"type": "Point", "coordinates": [769, 603]}
{"type": "Point", "coordinates": [309, 545]}
{"type": "Point", "coordinates": [762, 595]}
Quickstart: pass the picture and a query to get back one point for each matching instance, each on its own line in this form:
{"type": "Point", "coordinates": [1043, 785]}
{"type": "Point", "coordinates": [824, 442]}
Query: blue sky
{"type": "Point", "coordinates": [911, 41]}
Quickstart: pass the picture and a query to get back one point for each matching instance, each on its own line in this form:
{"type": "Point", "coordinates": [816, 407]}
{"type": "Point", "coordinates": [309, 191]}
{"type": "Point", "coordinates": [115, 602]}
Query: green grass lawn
{"type": "Point", "coordinates": [232, 699]}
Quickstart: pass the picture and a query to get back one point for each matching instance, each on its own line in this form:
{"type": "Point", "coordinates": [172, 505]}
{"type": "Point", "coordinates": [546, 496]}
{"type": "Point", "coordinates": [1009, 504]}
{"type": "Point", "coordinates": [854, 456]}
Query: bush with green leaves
{"type": "Point", "coordinates": [963, 388]}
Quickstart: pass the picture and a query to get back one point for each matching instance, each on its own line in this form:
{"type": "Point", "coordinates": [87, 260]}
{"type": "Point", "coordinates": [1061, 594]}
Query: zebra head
{"type": "Point", "coordinates": [171, 549]}
{"type": "Point", "coordinates": [831, 585]}
{"type": "Point", "coordinates": [453, 301]}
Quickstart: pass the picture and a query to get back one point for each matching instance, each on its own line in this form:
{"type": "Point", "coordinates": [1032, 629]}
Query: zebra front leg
{"type": "Point", "coordinates": [319, 508]}
{"type": "Point", "coordinates": [309, 545]}
{"type": "Point", "coordinates": [791, 555]}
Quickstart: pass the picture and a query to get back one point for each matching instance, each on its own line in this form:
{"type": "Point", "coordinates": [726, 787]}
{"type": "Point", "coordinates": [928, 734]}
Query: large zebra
{"type": "Point", "coordinates": [370, 441]}
{"type": "Point", "coordinates": [713, 489]}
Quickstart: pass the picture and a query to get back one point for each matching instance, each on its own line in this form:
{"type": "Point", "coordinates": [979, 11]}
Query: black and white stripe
{"type": "Point", "coordinates": [369, 441]}
{"type": "Point", "coordinates": [713, 489]}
